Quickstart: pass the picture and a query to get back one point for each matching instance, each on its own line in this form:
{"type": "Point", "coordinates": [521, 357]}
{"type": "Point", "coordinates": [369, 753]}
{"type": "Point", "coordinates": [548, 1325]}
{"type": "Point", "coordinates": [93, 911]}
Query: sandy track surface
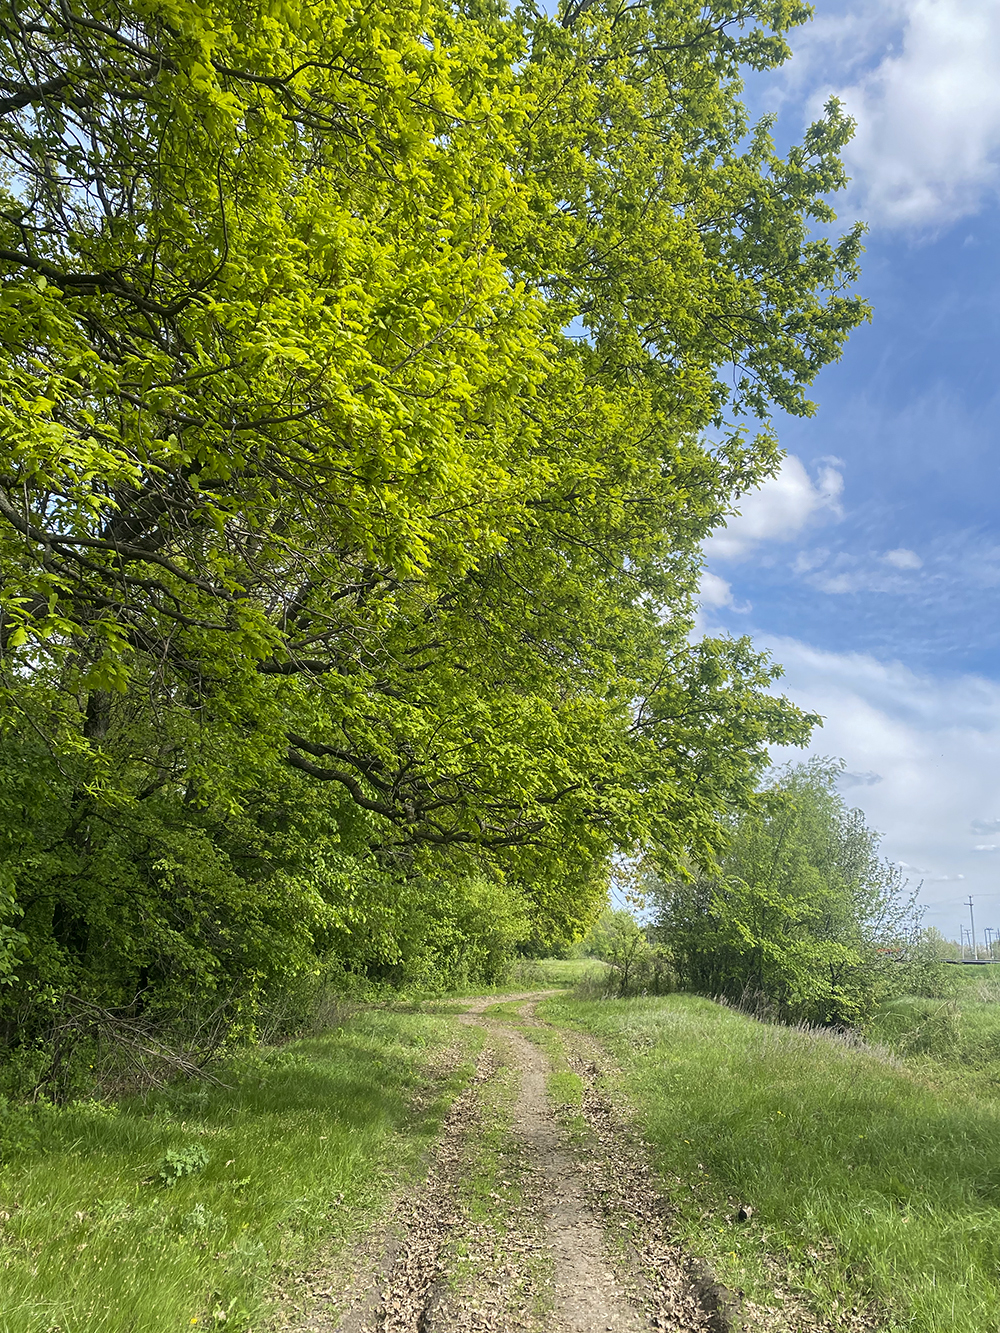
{"type": "Point", "coordinates": [589, 1295]}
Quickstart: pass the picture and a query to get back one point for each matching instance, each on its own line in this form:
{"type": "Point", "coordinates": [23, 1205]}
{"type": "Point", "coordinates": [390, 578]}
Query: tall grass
{"type": "Point", "coordinates": [554, 973]}
{"type": "Point", "coordinates": [176, 1211]}
{"type": "Point", "coordinates": [962, 1032]}
{"type": "Point", "coordinates": [870, 1181]}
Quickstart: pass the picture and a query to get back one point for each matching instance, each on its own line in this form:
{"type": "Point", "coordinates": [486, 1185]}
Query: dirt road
{"type": "Point", "coordinates": [538, 1213]}
{"type": "Point", "coordinates": [588, 1294]}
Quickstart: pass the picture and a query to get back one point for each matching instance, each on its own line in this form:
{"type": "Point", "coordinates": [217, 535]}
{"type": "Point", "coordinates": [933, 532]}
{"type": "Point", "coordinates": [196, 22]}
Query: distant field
{"type": "Point", "coordinates": [528, 974]}
{"type": "Point", "coordinates": [959, 1029]}
{"type": "Point", "coordinates": [871, 1179]}
{"type": "Point", "coordinates": [544, 973]}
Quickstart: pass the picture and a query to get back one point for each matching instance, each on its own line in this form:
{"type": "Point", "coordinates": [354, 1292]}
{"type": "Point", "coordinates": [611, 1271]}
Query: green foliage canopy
{"type": "Point", "coordinates": [803, 918]}
{"type": "Point", "coordinates": [369, 378]}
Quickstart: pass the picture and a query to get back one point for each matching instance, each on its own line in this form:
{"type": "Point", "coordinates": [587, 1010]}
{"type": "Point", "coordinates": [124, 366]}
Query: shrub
{"type": "Point", "coordinates": [801, 919]}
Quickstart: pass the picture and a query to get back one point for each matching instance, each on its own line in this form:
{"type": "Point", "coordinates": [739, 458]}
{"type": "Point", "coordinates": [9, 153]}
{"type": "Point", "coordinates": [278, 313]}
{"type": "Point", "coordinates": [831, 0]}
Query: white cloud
{"type": "Point", "coordinates": [936, 743]}
{"type": "Point", "coordinates": [839, 583]}
{"type": "Point", "coordinates": [713, 590]}
{"type": "Point", "coordinates": [902, 558]}
{"type": "Point", "coordinates": [847, 571]}
{"type": "Point", "coordinates": [986, 847]}
{"type": "Point", "coordinates": [807, 561]}
{"type": "Point", "coordinates": [868, 779]}
{"type": "Point", "coordinates": [778, 510]}
{"type": "Point", "coordinates": [985, 826]}
{"type": "Point", "coordinates": [927, 878]}
{"type": "Point", "coordinates": [922, 79]}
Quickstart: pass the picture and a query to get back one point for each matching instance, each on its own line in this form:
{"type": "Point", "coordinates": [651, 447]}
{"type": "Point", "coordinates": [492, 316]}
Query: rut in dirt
{"type": "Point", "coordinates": [537, 1257]}
{"type": "Point", "coordinates": [588, 1295]}
{"type": "Point", "coordinates": [547, 1266]}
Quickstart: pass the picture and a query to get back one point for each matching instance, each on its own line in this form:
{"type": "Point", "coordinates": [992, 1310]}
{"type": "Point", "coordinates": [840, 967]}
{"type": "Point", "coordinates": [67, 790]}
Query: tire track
{"type": "Point", "coordinates": [539, 1260]}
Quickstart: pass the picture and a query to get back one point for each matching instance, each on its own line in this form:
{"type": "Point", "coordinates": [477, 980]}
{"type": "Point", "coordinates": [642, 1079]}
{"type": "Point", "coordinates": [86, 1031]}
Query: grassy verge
{"type": "Point", "coordinates": [175, 1211]}
{"type": "Point", "coordinates": [868, 1181]}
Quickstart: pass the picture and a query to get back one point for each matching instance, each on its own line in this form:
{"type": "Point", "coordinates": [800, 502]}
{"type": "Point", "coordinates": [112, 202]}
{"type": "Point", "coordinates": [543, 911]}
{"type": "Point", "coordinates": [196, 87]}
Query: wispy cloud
{"type": "Point", "coordinates": [862, 578]}
{"type": "Point", "coordinates": [846, 571]}
{"type": "Point", "coordinates": [934, 742]}
{"type": "Point", "coordinates": [780, 509]}
{"type": "Point", "coordinates": [903, 558]}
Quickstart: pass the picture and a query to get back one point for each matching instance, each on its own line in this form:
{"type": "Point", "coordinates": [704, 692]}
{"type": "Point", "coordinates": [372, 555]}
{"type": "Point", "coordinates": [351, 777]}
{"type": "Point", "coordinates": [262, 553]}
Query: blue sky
{"type": "Point", "coordinates": [870, 566]}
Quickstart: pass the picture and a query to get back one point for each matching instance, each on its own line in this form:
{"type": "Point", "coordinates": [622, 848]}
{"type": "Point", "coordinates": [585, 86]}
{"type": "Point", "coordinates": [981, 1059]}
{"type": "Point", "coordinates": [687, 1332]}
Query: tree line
{"type": "Point", "coordinates": [369, 379]}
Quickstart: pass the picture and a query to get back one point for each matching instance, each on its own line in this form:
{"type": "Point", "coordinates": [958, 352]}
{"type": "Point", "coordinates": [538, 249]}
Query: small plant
{"type": "Point", "coordinates": [199, 1218]}
{"type": "Point", "coordinates": [181, 1162]}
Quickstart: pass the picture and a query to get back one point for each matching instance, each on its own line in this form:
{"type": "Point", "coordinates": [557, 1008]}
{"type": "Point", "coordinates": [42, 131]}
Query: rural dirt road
{"type": "Point", "coordinates": [537, 1214]}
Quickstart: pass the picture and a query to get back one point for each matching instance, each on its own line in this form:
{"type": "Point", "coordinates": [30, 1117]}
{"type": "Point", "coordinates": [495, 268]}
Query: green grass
{"type": "Point", "coordinates": [527, 974]}
{"type": "Point", "coordinates": [870, 1180]}
{"type": "Point", "coordinates": [565, 1091]}
{"type": "Point", "coordinates": [549, 973]}
{"type": "Point", "coordinates": [300, 1151]}
{"type": "Point", "coordinates": [492, 1184]}
{"type": "Point", "coordinates": [496, 1202]}
{"type": "Point", "coordinates": [962, 1030]}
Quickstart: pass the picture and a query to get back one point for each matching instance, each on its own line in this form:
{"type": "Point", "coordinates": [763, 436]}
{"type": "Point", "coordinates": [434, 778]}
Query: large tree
{"type": "Point", "coordinates": [802, 918]}
{"type": "Point", "coordinates": [369, 378]}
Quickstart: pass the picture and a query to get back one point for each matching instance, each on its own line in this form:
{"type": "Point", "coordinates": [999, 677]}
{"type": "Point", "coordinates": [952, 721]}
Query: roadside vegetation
{"type": "Point", "coordinates": [801, 919]}
{"type": "Point", "coordinates": [185, 1207]}
{"type": "Point", "coordinates": [347, 598]}
{"type": "Point", "coordinates": [347, 609]}
{"type": "Point", "coordinates": [869, 1171]}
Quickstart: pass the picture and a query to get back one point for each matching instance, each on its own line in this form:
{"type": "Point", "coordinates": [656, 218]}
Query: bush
{"type": "Point", "coordinates": [635, 966]}
{"type": "Point", "coordinates": [801, 920]}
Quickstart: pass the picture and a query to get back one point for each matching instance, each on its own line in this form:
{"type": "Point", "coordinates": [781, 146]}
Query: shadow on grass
{"type": "Point", "coordinates": [172, 1211]}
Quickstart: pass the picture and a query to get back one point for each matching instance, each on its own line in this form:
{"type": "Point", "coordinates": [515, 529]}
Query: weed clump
{"type": "Point", "coordinates": [180, 1162]}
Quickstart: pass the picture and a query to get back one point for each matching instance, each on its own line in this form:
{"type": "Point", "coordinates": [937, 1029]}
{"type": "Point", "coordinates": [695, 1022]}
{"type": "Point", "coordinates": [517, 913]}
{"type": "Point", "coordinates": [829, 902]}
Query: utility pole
{"type": "Point", "coordinates": [962, 932]}
{"type": "Point", "coordinates": [972, 923]}
{"type": "Point", "coordinates": [989, 945]}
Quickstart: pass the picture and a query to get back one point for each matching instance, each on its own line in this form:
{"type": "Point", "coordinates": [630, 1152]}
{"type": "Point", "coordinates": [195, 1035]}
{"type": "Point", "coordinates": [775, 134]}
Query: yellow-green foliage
{"type": "Point", "coordinates": [336, 562]}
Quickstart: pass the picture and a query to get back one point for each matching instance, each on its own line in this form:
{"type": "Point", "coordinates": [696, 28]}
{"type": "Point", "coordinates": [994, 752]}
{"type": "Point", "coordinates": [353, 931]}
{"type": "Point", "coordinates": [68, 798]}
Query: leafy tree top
{"type": "Point", "coordinates": [305, 471]}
